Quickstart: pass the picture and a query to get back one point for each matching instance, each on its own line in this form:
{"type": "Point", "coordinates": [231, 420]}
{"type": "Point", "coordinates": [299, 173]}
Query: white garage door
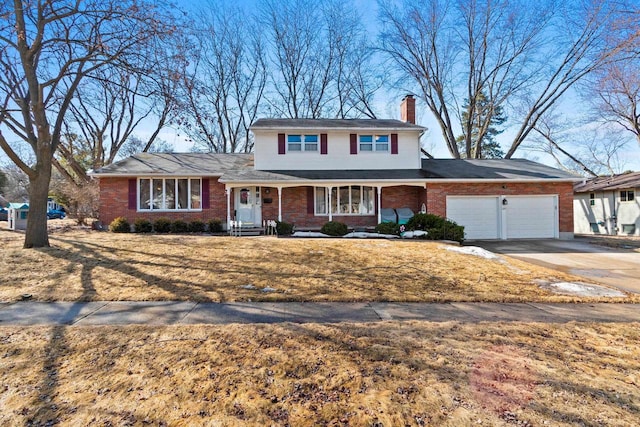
{"type": "Point", "coordinates": [531, 217]}
{"type": "Point", "coordinates": [479, 215]}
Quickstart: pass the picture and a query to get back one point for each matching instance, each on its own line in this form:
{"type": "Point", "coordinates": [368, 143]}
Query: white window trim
{"type": "Point", "coordinates": [626, 199]}
{"type": "Point", "coordinates": [337, 188]}
{"type": "Point", "coordinates": [373, 143]}
{"type": "Point", "coordinates": [303, 144]}
{"type": "Point", "coordinates": [164, 195]}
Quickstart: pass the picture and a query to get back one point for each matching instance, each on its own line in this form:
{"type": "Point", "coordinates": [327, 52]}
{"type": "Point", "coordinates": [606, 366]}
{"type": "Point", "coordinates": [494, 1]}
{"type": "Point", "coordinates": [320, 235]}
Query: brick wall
{"type": "Point", "coordinates": [114, 202]}
{"type": "Point", "coordinates": [437, 203]}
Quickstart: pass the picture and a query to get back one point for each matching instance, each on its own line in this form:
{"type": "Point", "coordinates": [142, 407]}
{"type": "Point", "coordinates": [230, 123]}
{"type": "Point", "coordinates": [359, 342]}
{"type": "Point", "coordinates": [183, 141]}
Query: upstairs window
{"type": "Point", "coordinates": [592, 199]}
{"type": "Point", "coordinates": [302, 143]}
{"type": "Point", "coordinates": [627, 196]}
{"type": "Point", "coordinates": [374, 143]}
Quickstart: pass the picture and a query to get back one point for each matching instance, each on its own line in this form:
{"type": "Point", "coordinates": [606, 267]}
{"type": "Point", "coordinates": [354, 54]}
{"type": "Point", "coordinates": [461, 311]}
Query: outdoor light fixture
{"type": "Point", "coordinates": [505, 202]}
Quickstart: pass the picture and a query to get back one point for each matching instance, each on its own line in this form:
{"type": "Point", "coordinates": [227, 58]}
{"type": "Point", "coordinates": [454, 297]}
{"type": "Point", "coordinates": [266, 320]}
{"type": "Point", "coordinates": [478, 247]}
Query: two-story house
{"type": "Point", "coordinates": [310, 171]}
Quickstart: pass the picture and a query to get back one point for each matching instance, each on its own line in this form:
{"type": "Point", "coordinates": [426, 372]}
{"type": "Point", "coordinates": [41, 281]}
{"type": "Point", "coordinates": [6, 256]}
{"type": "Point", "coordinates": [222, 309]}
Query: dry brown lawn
{"type": "Point", "coordinates": [84, 265]}
{"type": "Point", "coordinates": [382, 374]}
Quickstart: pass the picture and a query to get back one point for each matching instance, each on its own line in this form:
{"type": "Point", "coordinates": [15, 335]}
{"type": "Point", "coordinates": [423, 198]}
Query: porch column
{"type": "Point", "coordinates": [279, 203]}
{"type": "Point", "coordinates": [379, 205]}
{"type": "Point", "coordinates": [227, 191]}
{"type": "Point", "coordinates": [330, 189]}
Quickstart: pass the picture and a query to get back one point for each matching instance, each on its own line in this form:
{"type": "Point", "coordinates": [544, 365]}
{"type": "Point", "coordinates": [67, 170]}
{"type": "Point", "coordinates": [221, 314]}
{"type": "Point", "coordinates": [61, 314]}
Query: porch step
{"type": "Point", "coordinates": [246, 231]}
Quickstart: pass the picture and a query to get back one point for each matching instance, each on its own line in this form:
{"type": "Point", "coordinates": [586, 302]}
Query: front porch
{"type": "Point", "coordinates": [309, 207]}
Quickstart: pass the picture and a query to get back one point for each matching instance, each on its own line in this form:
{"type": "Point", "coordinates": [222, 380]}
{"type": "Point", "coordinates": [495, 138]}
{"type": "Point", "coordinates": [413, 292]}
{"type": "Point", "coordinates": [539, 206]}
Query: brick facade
{"type": "Point", "coordinates": [437, 196]}
{"type": "Point", "coordinates": [114, 202]}
{"type": "Point", "coordinates": [114, 196]}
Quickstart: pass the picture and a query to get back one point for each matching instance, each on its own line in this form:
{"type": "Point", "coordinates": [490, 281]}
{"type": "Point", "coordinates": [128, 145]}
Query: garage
{"type": "Point", "coordinates": [531, 217]}
{"type": "Point", "coordinates": [505, 217]}
{"type": "Point", "coordinates": [479, 215]}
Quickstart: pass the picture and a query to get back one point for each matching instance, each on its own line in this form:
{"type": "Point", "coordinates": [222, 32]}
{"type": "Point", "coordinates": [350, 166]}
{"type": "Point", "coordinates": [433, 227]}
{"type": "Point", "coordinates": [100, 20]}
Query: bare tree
{"type": "Point", "coordinates": [321, 61]}
{"type": "Point", "coordinates": [224, 85]}
{"type": "Point", "coordinates": [615, 95]}
{"type": "Point", "coordinates": [511, 53]}
{"type": "Point", "coordinates": [595, 147]}
{"type": "Point", "coordinates": [48, 48]}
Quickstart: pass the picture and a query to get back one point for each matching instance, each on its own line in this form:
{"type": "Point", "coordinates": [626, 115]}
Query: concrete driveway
{"type": "Point", "coordinates": [614, 267]}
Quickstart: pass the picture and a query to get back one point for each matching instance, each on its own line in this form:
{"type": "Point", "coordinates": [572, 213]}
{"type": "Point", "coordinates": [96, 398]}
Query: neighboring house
{"type": "Point", "coordinates": [308, 172]}
{"type": "Point", "coordinates": [608, 205]}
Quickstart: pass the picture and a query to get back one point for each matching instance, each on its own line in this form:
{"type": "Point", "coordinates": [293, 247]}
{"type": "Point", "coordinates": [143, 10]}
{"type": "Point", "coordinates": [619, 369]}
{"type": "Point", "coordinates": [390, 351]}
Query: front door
{"type": "Point", "coordinates": [248, 206]}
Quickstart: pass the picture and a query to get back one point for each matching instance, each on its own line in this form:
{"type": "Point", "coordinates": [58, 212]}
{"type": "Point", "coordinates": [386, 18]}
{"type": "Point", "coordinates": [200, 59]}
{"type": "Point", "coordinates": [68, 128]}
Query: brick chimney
{"type": "Point", "coordinates": [408, 109]}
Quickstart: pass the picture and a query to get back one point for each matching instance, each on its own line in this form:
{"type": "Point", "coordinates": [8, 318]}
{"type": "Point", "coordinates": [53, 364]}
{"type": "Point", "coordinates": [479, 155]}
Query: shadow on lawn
{"type": "Point", "coordinates": [48, 405]}
{"type": "Point", "coordinates": [224, 279]}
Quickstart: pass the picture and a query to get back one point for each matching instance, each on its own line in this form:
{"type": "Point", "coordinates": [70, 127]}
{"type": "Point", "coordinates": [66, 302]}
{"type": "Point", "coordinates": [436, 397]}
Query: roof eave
{"type": "Point", "coordinates": [415, 128]}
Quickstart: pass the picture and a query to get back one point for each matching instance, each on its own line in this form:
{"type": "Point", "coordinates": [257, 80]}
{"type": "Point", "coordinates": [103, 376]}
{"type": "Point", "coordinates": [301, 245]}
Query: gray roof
{"type": "Point", "coordinates": [605, 183]}
{"type": "Point", "coordinates": [239, 168]}
{"type": "Point", "coordinates": [515, 169]}
{"type": "Point", "coordinates": [387, 124]}
{"type": "Point", "coordinates": [186, 164]}
{"type": "Point", "coordinates": [324, 175]}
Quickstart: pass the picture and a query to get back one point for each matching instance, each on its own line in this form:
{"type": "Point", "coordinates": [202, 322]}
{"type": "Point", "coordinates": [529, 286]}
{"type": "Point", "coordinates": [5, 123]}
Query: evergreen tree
{"type": "Point", "coordinates": [485, 146]}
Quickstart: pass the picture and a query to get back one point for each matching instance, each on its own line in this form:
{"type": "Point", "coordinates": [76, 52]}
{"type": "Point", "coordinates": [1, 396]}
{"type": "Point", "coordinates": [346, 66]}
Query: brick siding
{"type": "Point", "coordinates": [114, 196]}
{"type": "Point", "coordinates": [437, 195]}
{"type": "Point", "coordinates": [114, 202]}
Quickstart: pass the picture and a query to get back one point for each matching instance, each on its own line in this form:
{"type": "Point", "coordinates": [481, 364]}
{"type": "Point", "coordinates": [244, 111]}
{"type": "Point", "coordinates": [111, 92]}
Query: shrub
{"type": "Point", "coordinates": [142, 225]}
{"type": "Point", "coordinates": [283, 228]}
{"type": "Point", "coordinates": [451, 231]}
{"type": "Point", "coordinates": [425, 222]}
{"type": "Point", "coordinates": [179, 226]}
{"type": "Point", "coordinates": [437, 228]}
{"type": "Point", "coordinates": [388, 228]}
{"type": "Point", "coordinates": [120, 225]}
{"type": "Point", "coordinates": [162, 225]}
{"type": "Point", "coordinates": [335, 228]}
{"type": "Point", "coordinates": [196, 226]}
{"type": "Point", "coordinates": [215, 225]}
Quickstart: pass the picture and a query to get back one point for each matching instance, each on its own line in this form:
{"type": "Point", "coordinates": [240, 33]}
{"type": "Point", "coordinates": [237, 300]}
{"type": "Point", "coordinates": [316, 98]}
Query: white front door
{"type": "Point", "coordinates": [248, 206]}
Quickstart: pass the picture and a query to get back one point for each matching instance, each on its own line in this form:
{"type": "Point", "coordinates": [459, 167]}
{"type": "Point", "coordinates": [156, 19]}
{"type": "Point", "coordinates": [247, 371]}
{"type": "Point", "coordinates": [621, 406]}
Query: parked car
{"type": "Point", "coordinates": [56, 214]}
{"type": "Point", "coordinates": [4, 214]}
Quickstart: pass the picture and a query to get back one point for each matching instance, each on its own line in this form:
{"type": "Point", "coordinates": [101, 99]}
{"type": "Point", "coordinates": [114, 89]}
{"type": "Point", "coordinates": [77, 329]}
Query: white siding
{"type": "Point", "coordinates": [599, 217]}
{"type": "Point", "coordinates": [338, 157]}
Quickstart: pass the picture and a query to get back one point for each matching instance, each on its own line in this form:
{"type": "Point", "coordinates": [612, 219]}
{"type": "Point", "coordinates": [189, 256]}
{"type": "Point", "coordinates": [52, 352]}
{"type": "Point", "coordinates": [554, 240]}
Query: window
{"type": "Point", "coordinates": [592, 199]}
{"type": "Point", "coordinates": [374, 143]}
{"type": "Point", "coordinates": [627, 196]}
{"type": "Point", "coordinates": [302, 142]}
{"type": "Point", "coordinates": [346, 200]}
{"type": "Point", "coordinates": [628, 229]}
{"type": "Point", "coordinates": [169, 194]}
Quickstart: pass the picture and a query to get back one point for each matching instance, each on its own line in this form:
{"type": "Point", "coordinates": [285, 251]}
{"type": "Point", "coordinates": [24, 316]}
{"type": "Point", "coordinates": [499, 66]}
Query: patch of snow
{"type": "Point", "coordinates": [249, 286]}
{"type": "Point", "coordinates": [473, 250]}
{"type": "Point", "coordinates": [583, 289]}
{"type": "Point", "coordinates": [412, 234]}
{"type": "Point", "coordinates": [268, 289]}
{"type": "Point", "coordinates": [309, 234]}
{"type": "Point", "coordinates": [366, 235]}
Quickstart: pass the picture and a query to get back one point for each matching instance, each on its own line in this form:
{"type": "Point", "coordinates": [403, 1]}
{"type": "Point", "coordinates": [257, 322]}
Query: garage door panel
{"type": "Point", "coordinates": [531, 217]}
{"type": "Point", "coordinates": [478, 215]}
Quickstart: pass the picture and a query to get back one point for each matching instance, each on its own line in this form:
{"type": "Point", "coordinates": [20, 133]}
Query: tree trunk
{"type": "Point", "coordinates": [36, 235]}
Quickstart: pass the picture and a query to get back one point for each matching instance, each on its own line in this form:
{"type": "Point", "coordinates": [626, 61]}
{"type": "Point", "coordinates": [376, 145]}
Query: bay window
{"type": "Point", "coordinates": [346, 200]}
{"type": "Point", "coordinates": [169, 194]}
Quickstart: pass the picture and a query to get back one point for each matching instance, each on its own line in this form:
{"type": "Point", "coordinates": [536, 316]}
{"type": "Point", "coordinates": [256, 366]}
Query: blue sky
{"type": "Point", "coordinates": [388, 102]}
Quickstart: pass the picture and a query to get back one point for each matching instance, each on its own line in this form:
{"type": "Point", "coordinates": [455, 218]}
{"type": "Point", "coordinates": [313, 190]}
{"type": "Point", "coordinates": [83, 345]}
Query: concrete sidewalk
{"type": "Point", "coordinates": [187, 313]}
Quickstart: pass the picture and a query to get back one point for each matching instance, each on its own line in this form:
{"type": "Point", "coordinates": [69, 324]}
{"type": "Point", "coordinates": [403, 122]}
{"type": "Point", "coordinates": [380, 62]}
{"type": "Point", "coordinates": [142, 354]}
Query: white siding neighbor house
{"type": "Point", "coordinates": [608, 205]}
